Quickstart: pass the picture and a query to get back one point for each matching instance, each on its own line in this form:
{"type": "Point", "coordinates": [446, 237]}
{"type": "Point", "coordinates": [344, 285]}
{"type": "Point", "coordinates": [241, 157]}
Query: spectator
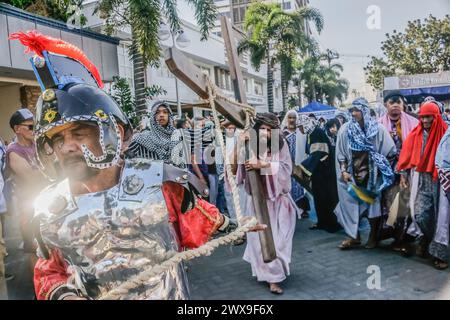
{"type": "Point", "coordinates": [23, 165]}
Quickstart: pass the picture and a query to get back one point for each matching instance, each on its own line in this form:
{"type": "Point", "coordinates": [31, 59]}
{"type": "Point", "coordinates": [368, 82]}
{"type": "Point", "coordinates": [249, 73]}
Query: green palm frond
{"type": "Point", "coordinates": [144, 19]}
{"type": "Point", "coordinates": [310, 14]}
{"type": "Point", "coordinates": [170, 11]}
{"type": "Point", "coordinates": [205, 14]}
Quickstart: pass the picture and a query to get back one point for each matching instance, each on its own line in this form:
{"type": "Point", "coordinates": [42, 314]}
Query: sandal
{"type": "Point", "coordinates": [314, 227]}
{"type": "Point", "coordinates": [305, 215]}
{"type": "Point", "coordinates": [275, 289]}
{"type": "Point", "coordinates": [439, 264]}
{"type": "Point", "coordinates": [349, 243]}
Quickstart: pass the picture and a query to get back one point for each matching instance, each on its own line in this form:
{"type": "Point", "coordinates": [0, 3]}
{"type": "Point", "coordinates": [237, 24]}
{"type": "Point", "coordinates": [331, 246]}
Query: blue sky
{"type": "Point", "coordinates": [346, 28]}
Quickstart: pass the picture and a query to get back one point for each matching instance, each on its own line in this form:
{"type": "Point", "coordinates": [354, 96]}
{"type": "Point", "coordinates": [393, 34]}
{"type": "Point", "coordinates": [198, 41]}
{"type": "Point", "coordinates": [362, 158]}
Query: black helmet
{"type": "Point", "coordinates": [71, 93]}
{"type": "Point", "coordinates": [73, 103]}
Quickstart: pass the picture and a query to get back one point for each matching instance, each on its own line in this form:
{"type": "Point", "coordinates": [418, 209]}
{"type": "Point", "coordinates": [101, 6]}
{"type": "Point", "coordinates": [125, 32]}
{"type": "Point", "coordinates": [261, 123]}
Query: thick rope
{"type": "Point", "coordinates": [227, 164]}
{"type": "Point", "coordinates": [173, 259]}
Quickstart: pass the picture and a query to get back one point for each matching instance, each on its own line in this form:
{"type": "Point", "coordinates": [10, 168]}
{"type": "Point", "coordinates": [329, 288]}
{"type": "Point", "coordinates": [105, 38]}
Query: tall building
{"type": "Point", "coordinates": [235, 10]}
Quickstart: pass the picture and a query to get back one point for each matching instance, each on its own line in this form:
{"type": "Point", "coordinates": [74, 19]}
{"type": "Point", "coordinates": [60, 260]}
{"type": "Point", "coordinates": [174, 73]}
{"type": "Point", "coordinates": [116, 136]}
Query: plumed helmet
{"type": "Point", "coordinates": [71, 92]}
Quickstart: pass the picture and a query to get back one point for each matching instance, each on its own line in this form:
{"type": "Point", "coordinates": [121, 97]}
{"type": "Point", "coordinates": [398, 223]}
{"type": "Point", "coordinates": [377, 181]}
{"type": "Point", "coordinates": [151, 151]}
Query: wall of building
{"type": "Point", "coordinates": [9, 103]}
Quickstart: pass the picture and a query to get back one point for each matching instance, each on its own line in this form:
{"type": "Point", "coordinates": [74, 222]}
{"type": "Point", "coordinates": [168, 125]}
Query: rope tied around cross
{"type": "Point", "coordinates": [205, 250]}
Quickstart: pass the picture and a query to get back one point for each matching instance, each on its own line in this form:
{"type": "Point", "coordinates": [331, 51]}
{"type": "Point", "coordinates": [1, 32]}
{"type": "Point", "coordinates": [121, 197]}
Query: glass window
{"type": "Point", "coordinates": [236, 15]}
{"type": "Point", "coordinates": [286, 5]}
{"type": "Point", "coordinates": [258, 88]}
{"type": "Point", "coordinates": [242, 13]}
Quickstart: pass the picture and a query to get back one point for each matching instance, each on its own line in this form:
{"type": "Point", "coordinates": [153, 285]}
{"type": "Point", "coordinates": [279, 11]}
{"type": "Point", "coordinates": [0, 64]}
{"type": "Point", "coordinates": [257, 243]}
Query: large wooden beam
{"type": "Point", "coordinates": [253, 176]}
{"type": "Point", "coordinates": [193, 77]}
{"type": "Point", "coordinates": [233, 60]}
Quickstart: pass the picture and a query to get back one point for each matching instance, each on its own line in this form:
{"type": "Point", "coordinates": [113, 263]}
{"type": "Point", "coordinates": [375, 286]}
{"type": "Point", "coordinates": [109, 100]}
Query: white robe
{"type": "Point", "coordinates": [348, 210]}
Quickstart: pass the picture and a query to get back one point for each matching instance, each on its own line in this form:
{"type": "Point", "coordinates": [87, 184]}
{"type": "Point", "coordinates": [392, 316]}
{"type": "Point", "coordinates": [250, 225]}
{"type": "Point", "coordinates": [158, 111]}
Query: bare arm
{"type": "Point", "coordinates": [196, 169]}
{"type": "Point", "coordinates": [23, 170]}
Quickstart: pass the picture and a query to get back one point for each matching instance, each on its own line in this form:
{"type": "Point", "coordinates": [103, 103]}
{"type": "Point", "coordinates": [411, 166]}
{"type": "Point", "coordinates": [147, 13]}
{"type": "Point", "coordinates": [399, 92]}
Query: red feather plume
{"type": "Point", "coordinates": [37, 42]}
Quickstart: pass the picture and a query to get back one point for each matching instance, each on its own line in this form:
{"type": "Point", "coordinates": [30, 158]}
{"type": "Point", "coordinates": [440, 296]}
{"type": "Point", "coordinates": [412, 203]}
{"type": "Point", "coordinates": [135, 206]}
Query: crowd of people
{"type": "Point", "coordinates": [393, 170]}
{"type": "Point", "coordinates": [101, 203]}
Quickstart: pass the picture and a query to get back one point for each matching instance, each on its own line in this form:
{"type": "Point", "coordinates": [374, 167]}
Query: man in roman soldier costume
{"type": "Point", "coordinates": [108, 217]}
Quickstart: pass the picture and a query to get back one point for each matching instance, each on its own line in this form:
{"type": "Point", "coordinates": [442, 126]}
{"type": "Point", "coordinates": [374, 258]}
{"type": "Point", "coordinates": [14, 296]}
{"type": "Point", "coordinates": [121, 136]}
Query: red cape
{"type": "Point", "coordinates": [410, 156]}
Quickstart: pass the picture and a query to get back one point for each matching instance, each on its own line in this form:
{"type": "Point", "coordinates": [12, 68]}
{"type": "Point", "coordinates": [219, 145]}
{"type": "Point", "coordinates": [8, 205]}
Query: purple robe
{"type": "Point", "coordinates": [282, 213]}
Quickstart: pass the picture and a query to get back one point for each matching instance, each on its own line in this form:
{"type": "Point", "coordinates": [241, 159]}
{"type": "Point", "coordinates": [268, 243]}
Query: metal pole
{"type": "Point", "coordinates": [176, 84]}
{"type": "Point", "coordinates": [178, 99]}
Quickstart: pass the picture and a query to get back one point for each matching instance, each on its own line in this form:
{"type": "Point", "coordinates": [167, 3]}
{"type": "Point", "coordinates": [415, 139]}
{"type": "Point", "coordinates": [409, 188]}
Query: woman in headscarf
{"type": "Point", "coordinates": [341, 115]}
{"type": "Point", "coordinates": [296, 141]}
{"type": "Point", "coordinates": [363, 170]}
{"type": "Point", "coordinates": [331, 129]}
{"type": "Point", "coordinates": [319, 166]}
{"type": "Point", "coordinates": [273, 161]}
{"type": "Point", "coordinates": [159, 140]}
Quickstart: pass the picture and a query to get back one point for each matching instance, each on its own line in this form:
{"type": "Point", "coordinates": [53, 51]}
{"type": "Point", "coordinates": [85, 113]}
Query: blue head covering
{"type": "Point", "coordinates": [360, 139]}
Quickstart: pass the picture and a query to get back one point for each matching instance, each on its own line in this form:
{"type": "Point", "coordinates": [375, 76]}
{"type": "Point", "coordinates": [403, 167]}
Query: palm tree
{"type": "Point", "coordinates": [258, 41]}
{"type": "Point", "coordinates": [276, 36]}
{"type": "Point", "coordinates": [322, 82]}
{"type": "Point", "coordinates": [144, 19]}
{"type": "Point", "coordinates": [293, 43]}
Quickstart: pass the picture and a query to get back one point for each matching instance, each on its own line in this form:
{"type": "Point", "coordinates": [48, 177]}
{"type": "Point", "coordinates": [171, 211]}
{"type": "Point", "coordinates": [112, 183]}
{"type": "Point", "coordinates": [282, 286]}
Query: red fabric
{"type": "Point", "coordinates": [195, 226]}
{"type": "Point", "coordinates": [410, 156]}
{"type": "Point", "coordinates": [49, 274]}
{"type": "Point", "coordinates": [37, 42]}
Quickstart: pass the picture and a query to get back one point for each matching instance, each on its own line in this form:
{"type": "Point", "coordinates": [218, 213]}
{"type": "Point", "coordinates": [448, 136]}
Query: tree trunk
{"type": "Point", "coordinates": [314, 96]}
{"type": "Point", "coordinates": [299, 92]}
{"type": "Point", "coordinates": [269, 85]}
{"type": "Point", "coordinates": [139, 79]}
{"type": "Point", "coordinates": [284, 88]}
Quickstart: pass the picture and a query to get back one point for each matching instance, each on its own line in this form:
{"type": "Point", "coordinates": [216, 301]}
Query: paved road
{"type": "Point", "coordinates": [319, 270]}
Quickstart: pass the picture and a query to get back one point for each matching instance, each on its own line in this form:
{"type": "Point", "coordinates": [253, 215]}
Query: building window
{"type": "Point", "coordinates": [246, 85]}
{"type": "Point", "coordinates": [242, 13]}
{"type": "Point", "coordinates": [223, 79]}
{"type": "Point", "coordinates": [286, 5]}
{"type": "Point", "coordinates": [236, 15]}
{"type": "Point", "coordinates": [204, 70]}
{"type": "Point", "coordinates": [258, 86]}
{"type": "Point", "coordinates": [125, 64]}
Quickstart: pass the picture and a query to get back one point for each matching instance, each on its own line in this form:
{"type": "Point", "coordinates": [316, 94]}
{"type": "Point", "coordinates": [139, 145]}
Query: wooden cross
{"type": "Point", "coordinates": [192, 76]}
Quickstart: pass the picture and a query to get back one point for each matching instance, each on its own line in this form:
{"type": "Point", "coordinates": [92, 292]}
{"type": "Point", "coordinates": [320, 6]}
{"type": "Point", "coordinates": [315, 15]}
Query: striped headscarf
{"type": "Point", "coordinates": [308, 123]}
{"type": "Point", "coordinates": [360, 140]}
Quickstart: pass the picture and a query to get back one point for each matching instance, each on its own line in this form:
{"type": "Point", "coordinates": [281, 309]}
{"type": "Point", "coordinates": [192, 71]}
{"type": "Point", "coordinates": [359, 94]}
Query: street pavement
{"type": "Point", "coordinates": [319, 270]}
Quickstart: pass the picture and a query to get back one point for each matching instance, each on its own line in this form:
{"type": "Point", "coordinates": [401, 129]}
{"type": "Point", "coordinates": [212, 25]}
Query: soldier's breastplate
{"type": "Point", "coordinates": [110, 236]}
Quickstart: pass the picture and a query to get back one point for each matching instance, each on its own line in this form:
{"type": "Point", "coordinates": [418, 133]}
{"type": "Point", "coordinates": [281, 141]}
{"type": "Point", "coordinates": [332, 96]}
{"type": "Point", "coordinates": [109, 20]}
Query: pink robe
{"type": "Point", "coordinates": [282, 213]}
{"type": "Point", "coordinates": [407, 123]}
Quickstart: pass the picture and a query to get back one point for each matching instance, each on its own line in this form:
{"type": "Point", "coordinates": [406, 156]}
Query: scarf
{"type": "Point", "coordinates": [408, 123]}
{"type": "Point", "coordinates": [360, 140]}
{"type": "Point", "coordinates": [155, 142]}
{"type": "Point", "coordinates": [411, 155]}
{"type": "Point", "coordinates": [330, 123]}
{"type": "Point", "coordinates": [308, 123]}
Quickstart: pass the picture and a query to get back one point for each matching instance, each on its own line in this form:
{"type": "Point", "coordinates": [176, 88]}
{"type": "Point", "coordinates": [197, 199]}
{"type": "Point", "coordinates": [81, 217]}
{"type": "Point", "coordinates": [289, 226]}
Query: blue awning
{"type": "Point", "coordinates": [416, 95]}
{"type": "Point", "coordinates": [319, 110]}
